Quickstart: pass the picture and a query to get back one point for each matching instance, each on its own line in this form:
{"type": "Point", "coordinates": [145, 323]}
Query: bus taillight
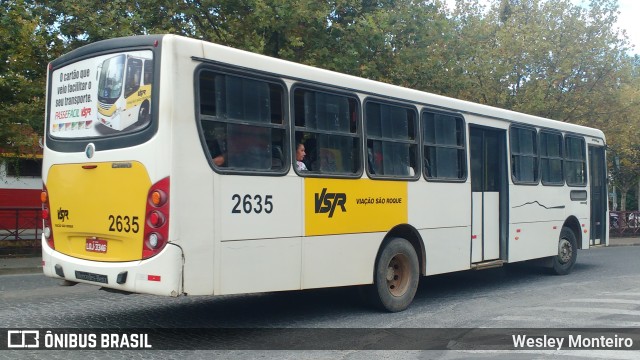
{"type": "Point", "coordinates": [46, 220]}
{"type": "Point", "coordinates": [156, 225]}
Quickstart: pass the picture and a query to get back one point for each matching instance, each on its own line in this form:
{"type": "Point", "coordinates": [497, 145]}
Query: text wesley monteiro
{"type": "Point", "coordinates": [571, 342]}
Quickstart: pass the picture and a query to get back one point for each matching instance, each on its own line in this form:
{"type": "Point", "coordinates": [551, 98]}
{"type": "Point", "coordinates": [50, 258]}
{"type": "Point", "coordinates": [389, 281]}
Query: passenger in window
{"type": "Point", "coordinates": [217, 154]}
{"type": "Point", "coordinates": [310, 146]}
{"type": "Point", "coordinates": [412, 163]}
{"type": "Point", "coordinates": [300, 154]}
{"type": "Point", "coordinates": [218, 150]}
{"type": "Point", "coordinates": [370, 159]}
{"type": "Point", "coordinates": [427, 166]}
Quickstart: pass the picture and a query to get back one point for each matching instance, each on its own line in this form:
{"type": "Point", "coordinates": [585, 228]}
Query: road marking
{"type": "Point", "coordinates": [591, 310]}
{"type": "Point", "coordinates": [526, 318]}
{"type": "Point", "coordinates": [606, 301]}
{"type": "Point", "coordinates": [553, 322]}
{"type": "Point", "coordinates": [583, 354]}
{"type": "Point", "coordinates": [618, 324]}
{"type": "Point", "coordinates": [622, 294]}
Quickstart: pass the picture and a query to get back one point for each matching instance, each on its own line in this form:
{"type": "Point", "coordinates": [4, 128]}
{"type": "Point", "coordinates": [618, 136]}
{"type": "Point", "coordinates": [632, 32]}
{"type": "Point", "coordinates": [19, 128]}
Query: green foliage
{"type": "Point", "coordinates": [25, 51]}
{"type": "Point", "coordinates": [550, 58]}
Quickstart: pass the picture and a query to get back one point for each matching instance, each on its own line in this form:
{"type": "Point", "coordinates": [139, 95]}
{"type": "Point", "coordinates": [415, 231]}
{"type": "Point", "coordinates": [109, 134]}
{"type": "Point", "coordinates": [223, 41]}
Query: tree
{"type": "Point", "coordinates": [547, 58]}
{"type": "Point", "coordinates": [378, 39]}
{"type": "Point", "coordinates": [26, 49]}
{"type": "Point", "coordinates": [542, 57]}
{"type": "Point", "coordinates": [557, 60]}
{"type": "Point", "coordinates": [622, 133]}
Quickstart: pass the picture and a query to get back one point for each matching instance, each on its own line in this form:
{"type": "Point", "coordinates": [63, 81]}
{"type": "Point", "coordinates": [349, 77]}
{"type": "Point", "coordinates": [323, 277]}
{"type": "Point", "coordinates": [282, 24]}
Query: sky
{"type": "Point", "coordinates": [627, 19]}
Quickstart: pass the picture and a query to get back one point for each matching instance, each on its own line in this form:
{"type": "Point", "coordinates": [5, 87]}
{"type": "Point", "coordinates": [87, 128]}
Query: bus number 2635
{"type": "Point", "coordinates": [124, 223]}
{"type": "Point", "coordinates": [252, 203]}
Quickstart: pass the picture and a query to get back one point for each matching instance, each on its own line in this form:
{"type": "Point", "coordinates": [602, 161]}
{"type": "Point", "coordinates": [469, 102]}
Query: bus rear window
{"type": "Point", "coordinates": [102, 96]}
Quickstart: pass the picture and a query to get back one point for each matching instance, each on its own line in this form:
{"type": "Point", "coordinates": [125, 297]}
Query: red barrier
{"type": "Point", "coordinates": [20, 223]}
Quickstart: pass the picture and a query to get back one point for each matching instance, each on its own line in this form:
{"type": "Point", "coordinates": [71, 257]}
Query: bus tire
{"type": "Point", "coordinates": [567, 252]}
{"type": "Point", "coordinates": [143, 113]}
{"type": "Point", "coordinates": [396, 276]}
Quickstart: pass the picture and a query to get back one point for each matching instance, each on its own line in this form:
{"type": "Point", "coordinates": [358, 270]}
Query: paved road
{"type": "Point", "coordinates": [603, 291]}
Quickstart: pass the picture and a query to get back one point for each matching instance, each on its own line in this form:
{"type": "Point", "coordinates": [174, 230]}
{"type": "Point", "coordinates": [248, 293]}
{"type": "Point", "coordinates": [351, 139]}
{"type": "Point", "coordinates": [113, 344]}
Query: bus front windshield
{"type": "Point", "coordinates": [111, 75]}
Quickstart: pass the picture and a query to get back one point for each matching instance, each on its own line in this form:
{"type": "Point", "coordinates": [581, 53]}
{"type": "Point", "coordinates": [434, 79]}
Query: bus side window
{"type": "Point", "coordinates": [444, 147]}
{"type": "Point", "coordinates": [326, 123]}
{"type": "Point", "coordinates": [575, 161]}
{"type": "Point", "coordinates": [391, 142]}
{"type": "Point", "coordinates": [524, 155]}
{"type": "Point", "coordinates": [251, 114]}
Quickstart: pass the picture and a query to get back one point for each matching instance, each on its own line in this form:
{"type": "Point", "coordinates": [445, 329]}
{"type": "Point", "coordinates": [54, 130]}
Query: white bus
{"type": "Point", "coordinates": [207, 196]}
{"type": "Point", "coordinates": [124, 90]}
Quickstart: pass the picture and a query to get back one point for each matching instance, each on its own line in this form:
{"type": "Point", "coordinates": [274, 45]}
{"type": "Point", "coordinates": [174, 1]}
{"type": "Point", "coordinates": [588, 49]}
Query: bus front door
{"type": "Point", "coordinates": [489, 194]}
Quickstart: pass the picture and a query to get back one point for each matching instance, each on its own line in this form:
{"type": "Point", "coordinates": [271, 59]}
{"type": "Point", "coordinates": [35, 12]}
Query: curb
{"type": "Point", "coordinates": [20, 271]}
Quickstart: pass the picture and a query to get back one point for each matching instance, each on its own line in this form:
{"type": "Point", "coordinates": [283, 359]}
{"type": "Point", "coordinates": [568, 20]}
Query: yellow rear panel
{"type": "Point", "coordinates": [96, 206]}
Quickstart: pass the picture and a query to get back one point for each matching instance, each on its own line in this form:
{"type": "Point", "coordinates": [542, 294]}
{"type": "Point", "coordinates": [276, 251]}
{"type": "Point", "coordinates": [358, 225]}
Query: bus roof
{"type": "Point", "coordinates": [298, 72]}
{"type": "Point", "coordinates": [295, 71]}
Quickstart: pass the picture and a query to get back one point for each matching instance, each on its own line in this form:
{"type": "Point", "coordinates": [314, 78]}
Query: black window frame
{"type": "Point", "coordinates": [513, 155]}
{"type": "Point", "coordinates": [567, 160]}
{"type": "Point", "coordinates": [543, 156]}
{"type": "Point", "coordinates": [304, 130]}
{"type": "Point", "coordinates": [413, 143]}
{"type": "Point", "coordinates": [461, 147]}
{"type": "Point", "coordinates": [284, 126]}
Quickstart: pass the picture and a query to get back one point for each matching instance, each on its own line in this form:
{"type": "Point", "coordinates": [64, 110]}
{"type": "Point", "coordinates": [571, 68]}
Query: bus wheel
{"type": "Point", "coordinates": [143, 113]}
{"type": "Point", "coordinates": [567, 252]}
{"type": "Point", "coordinates": [396, 276]}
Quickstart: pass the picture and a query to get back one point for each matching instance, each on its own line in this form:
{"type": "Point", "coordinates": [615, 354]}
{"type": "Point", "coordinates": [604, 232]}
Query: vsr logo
{"type": "Point", "coordinates": [327, 202]}
{"type": "Point", "coordinates": [63, 214]}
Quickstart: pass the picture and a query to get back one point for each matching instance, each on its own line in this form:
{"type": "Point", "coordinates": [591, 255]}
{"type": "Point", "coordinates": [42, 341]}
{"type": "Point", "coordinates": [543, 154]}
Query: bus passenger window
{"type": "Point", "coordinates": [444, 147]}
{"type": "Point", "coordinates": [391, 142]}
{"type": "Point", "coordinates": [575, 161]}
{"type": "Point", "coordinates": [524, 155]}
{"type": "Point", "coordinates": [551, 158]}
{"type": "Point", "coordinates": [248, 117]}
{"type": "Point", "coordinates": [326, 124]}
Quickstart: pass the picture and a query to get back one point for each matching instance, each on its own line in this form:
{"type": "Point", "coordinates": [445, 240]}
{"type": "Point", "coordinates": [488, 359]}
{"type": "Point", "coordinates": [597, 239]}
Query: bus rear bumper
{"type": "Point", "coordinates": [159, 275]}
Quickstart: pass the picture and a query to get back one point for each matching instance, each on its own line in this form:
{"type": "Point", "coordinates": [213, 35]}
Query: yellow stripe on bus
{"type": "Point", "coordinates": [339, 206]}
{"type": "Point", "coordinates": [97, 205]}
{"type": "Point", "coordinates": [140, 95]}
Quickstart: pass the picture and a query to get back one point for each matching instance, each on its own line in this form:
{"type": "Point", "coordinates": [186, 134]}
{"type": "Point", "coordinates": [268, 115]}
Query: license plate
{"type": "Point", "coordinates": [96, 245]}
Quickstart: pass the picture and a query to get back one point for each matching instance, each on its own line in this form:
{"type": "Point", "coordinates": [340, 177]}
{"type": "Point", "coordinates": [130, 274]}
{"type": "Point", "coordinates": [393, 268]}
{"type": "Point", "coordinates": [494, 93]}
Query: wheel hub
{"type": "Point", "coordinates": [565, 251]}
{"type": "Point", "coordinates": [398, 275]}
